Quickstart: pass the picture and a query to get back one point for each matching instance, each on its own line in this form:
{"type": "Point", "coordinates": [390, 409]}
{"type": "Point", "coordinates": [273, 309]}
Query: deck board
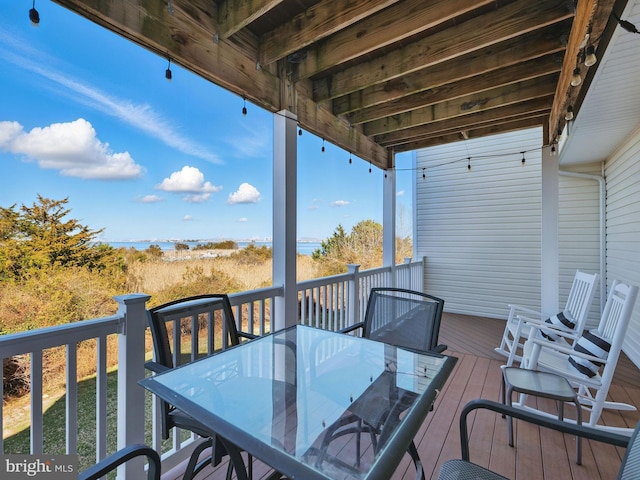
{"type": "Point", "coordinates": [539, 453]}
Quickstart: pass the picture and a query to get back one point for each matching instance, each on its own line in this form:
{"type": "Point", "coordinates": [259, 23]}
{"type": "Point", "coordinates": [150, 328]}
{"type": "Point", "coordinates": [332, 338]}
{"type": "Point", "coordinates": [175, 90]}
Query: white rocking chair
{"type": "Point", "coordinates": [587, 365]}
{"type": "Point", "coordinates": [576, 312]}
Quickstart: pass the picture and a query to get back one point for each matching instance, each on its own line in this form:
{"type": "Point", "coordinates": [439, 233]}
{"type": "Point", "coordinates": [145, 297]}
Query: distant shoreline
{"type": "Point", "coordinates": [302, 248]}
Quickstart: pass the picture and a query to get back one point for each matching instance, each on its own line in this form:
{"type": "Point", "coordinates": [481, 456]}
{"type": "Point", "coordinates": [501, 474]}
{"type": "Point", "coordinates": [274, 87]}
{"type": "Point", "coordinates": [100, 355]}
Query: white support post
{"type": "Point", "coordinates": [549, 254]}
{"type": "Point", "coordinates": [284, 218]}
{"type": "Point", "coordinates": [131, 369]}
{"type": "Point", "coordinates": [389, 220]}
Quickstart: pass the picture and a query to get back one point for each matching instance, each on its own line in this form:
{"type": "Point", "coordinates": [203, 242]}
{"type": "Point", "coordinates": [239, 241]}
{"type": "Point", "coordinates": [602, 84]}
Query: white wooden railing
{"type": "Point", "coordinates": [330, 303]}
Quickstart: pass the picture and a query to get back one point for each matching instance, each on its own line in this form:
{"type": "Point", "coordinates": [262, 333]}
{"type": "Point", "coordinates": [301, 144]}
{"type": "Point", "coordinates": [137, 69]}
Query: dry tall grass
{"type": "Point", "coordinates": [157, 275]}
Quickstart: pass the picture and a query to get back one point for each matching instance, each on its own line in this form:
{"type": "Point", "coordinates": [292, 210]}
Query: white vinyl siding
{"type": "Point", "coordinates": [623, 229]}
{"type": "Point", "coordinates": [579, 232]}
{"type": "Point", "coordinates": [479, 229]}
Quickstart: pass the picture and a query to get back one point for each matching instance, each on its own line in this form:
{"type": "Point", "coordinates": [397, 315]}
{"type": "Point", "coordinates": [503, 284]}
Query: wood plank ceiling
{"type": "Point", "coordinates": [378, 76]}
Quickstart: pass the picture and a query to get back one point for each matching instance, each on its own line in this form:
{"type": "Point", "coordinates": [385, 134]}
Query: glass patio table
{"type": "Point", "coordinates": [285, 398]}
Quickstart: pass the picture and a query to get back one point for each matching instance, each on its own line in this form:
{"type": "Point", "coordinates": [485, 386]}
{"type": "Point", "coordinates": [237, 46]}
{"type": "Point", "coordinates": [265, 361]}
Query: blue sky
{"type": "Point", "coordinates": [88, 115]}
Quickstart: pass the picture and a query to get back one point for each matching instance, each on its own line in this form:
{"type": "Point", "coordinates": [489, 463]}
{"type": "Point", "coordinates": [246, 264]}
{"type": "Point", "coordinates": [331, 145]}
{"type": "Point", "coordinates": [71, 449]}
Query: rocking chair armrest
{"type": "Point", "coordinates": [543, 325]}
{"type": "Point", "coordinates": [528, 311]}
{"type": "Point", "coordinates": [567, 350]}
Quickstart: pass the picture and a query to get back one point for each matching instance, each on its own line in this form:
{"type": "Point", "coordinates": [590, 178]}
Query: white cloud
{"type": "Point", "coordinates": [246, 193]}
{"type": "Point", "coordinates": [72, 148]}
{"type": "Point", "coordinates": [151, 199]}
{"type": "Point", "coordinates": [400, 193]}
{"type": "Point", "coordinates": [340, 203]}
{"type": "Point", "coordinates": [243, 220]}
{"type": "Point", "coordinates": [187, 218]}
{"type": "Point", "coordinates": [189, 181]}
{"type": "Point", "coordinates": [140, 116]}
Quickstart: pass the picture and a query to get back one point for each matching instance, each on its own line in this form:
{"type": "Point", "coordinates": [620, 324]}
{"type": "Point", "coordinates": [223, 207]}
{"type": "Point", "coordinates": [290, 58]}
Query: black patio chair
{"type": "Point", "coordinates": [112, 462]}
{"type": "Point", "coordinates": [166, 357]}
{"type": "Point", "coordinates": [404, 318]}
{"type": "Point", "coordinates": [464, 469]}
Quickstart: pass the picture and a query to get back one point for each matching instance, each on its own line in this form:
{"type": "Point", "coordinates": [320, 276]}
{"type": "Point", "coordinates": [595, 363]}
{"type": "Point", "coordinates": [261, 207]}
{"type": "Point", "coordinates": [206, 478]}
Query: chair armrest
{"type": "Point", "coordinates": [351, 328]}
{"type": "Point", "coordinates": [121, 456]}
{"type": "Point", "coordinates": [156, 367]}
{"type": "Point", "coordinates": [543, 325]}
{"type": "Point", "coordinates": [583, 431]}
{"type": "Point", "coordinates": [566, 350]}
{"type": "Point", "coordinates": [247, 335]}
{"type": "Point", "coordinates": [440, 348]}
{"type": "Point", "coordinates": [527, 311]}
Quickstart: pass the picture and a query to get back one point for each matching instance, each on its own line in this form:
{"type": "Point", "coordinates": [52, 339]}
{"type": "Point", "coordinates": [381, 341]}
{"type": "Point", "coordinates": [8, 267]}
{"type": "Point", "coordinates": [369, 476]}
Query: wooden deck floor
{"type": "Point", "coordinates": [538, 454]}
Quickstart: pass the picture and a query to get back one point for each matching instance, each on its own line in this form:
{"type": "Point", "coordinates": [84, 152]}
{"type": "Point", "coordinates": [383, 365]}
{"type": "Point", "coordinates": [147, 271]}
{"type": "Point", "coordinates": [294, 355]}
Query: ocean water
{"type": "Point", "coordinates": [303, 248]}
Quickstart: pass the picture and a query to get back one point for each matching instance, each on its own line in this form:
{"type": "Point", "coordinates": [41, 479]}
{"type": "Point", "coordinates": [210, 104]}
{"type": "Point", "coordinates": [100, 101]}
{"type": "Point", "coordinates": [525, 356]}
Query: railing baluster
{"type": "Point", "coordinates": [36, 402]}
{"type": "Point", "coordinates": [101, 397]}
{"type": "Point", "coordinates": [195, 328]}
{"type": "Point", "coordinates": [72, 398]}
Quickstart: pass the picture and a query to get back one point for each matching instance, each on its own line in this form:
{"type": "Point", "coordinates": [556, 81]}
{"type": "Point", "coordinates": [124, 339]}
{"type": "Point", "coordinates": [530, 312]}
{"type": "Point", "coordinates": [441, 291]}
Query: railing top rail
{"type": "Point", "coordinates": [42, 338]}
{"type": "Point", "coordinates": [341, 277]}
{"type": "Point", "coordinates": [319, 282]}
{"type": "Point", "coordinates": [254, 295]}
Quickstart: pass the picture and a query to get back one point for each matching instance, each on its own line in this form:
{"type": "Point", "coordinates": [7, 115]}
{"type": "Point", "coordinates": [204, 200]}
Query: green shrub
{"type": "Point", "coordinates": [253, 255]}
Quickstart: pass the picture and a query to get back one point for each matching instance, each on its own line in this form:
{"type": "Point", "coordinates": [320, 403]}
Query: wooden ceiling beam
{"type": "Point", "coordinates": [505, 54]}
{"type": "Point", "coordinates": [187, 36]}
{"type": "Point", "coordinates": [540, 119]}
{"type": "Point", "coordinates": [316, 23]}
{"type": "Point", "coordinates": [228, 63]}
{"type": "Point", "coordinates": [514, 93]}
{"type": "Point", "coordinates": [537, 106]}
{"type": "Point", "coordinates": [593, 15]}
{"type": "Point", "coordinates": [234, 15]}
{"type": "Point", "coordinates": [510, 21]}
{"type": "Point", "coordinates": [385, 28]}
{"type": "Point", "coordinates": [536, 68]}
{"type": "Point", "coordinates": [320, 121]}
{"type": "Point", "coordinates": [480, 132]}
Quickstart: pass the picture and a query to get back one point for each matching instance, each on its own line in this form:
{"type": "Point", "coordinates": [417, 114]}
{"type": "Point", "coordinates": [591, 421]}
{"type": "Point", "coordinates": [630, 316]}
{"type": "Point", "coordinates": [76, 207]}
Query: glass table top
{"type": "Point", "coordinates": [286, 397]}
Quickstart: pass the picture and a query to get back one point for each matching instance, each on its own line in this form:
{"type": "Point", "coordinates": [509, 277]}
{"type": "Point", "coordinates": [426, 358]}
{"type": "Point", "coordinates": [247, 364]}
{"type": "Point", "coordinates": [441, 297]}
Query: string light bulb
{"type": "Point", "coordinates": [576, 79]}
{"type": "Point", "coordinates": [322, 146]}
{"type": "Point", "coordinates": [244, 105]}
{"type": "Point", "coordinates": [523, 159]}
{"type": "Point", "coordinates": [34, 16]}
{"type": "Point", "coordinates": [369, 167]}
{"type": "Point", "coordinates": [553, 150]}
{"type": "Point", "coordinates": [350, 161]}
{"type": "Point", "coordinates": [590, 59]}
{"type": "Point", "coordinates": [424, 175]}
{"type": "Point", "coordinates": [469, 163]}
{"type": "Point", "coordinates": [569, 116]}
{"type": "Point", "coordinates": [167, 74]}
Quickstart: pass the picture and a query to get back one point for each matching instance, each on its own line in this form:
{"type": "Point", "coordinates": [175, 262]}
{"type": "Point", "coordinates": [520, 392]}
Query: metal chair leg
{"type": "Point", "coordinates": [413, 452]}
{"type": "Point", "coordinates": [193, 467]}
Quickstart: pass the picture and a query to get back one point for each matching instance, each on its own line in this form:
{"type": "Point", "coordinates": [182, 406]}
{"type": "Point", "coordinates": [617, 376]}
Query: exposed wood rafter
{"type": "Point", "coordinates": [377, 76]}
